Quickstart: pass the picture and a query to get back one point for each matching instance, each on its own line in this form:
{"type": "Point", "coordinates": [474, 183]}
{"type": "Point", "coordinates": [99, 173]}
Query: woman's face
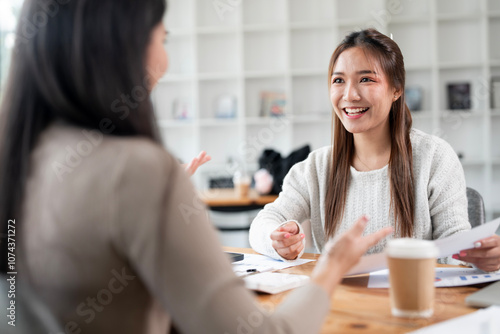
{"type": "Point", "coordinates": [156, 55]}
{"type": "Point", "coordinates": [360, 93]}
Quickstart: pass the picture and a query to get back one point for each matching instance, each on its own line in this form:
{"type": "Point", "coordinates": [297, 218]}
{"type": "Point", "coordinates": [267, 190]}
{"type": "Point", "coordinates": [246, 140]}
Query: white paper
{"type": "Point", "coordinates": [447, 247]}
{"type": "Point", "coordinates": [486, 321]}
{"type": "Point", "coordinates": [262, 263]}
{"type": "Point", "coordinates": [445, 277]}
{"type": "Point", "coordinates": [465, 240]}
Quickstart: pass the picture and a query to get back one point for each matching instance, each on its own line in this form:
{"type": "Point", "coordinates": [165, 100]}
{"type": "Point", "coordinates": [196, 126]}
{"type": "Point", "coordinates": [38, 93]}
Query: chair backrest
{"type": "Point", "coordinates": [475, 207]}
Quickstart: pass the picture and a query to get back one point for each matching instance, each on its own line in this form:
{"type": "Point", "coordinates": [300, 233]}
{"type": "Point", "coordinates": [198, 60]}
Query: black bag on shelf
{"type": "Point", "coordinates": [278, 166]}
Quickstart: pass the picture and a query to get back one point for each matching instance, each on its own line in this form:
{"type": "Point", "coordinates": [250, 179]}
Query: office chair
{"type": "Point", "coordinates": [475, 208]}
{"type": "Point", "coordinates": [31, 316]}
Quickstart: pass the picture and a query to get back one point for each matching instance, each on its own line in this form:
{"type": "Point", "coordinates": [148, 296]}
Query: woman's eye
{"type": "Point", "coordinates": [337, 80]}
{"type": "Point", "coordinates": [366, 80]}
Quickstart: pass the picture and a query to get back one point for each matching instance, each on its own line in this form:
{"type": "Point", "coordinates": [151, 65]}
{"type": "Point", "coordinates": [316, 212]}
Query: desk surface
{"type": "Point", "coordinates": [358, 309]}
{"type": "Point", "coordinates": [228, 197]}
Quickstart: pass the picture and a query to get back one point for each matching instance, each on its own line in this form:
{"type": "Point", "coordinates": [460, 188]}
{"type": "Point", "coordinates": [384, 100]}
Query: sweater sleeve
{"type": "Point", "coordinates": [164, 231]}
{"type": "Point", "coordinates": [447, 193]}
{"type": "Point", "coordinates": [292, 204]}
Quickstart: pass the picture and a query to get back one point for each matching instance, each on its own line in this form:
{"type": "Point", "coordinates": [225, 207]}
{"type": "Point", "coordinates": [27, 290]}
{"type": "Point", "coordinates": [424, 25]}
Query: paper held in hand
{"type": "Point", "coordinates": [447, 247]}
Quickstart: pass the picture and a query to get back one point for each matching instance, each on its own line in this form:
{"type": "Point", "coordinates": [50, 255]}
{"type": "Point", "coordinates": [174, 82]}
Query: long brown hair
{"type": "Point", "coordinates": [389, 57]}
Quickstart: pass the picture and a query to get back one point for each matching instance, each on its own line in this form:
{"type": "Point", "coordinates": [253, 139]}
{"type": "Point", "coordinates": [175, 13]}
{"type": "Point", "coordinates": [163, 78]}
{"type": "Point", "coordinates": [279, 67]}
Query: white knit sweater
{"type": "Point", "coordinates": [440, 197]}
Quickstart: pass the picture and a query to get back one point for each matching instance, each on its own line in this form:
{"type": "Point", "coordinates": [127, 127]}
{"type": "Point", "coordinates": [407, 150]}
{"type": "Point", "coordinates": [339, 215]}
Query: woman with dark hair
{"type": "Point", "coordinates": [377, 165]}
{"type": "Point", "coordinates": [109, 233]}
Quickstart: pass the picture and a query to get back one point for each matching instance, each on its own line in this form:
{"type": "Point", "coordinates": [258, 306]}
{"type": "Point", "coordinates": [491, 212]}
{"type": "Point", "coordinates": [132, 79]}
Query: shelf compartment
{"type": "Point", "coordinates": [209, 54]}
{"type": "Point", "coordinates": [217, 13]}
{"type": "Point", "coordinates": [221, 145]}
{"type": "Point", "coordinates": [414, 40]}
{"type": "Point", "coordinates": [169, 124]}
{"type": "Point", "coordinates": [181, 142]}
{"type": "Point", "coordinates": [253, 89]}
{"type": "Point", "coordinates": [494, 38]}
{"type": "Point", "coordinates": [311, 11]}
{"type": "Point", "coordinates": [264, 51]}
{"type": "Point", "coordinates": [473, 76]}
{"type": "Point", "coordinates": [310, 95]}
{"type": "Point", "coordinates": [454, 126]}
{"type": "Point", "coordinates": [264, 11]}
{"type": "Point", "coordinates": [275, 134]}
{"type": "Point", "coordinates": [495, 137]}
{"type": "Point", "coordinates": [465, 7]}
{"type": "Point", "coordinates": [422, 80]}
{"type": "Point", "coordinates": [179, 15]}
{"type": "Point", "coordinates": [209, 93]}
{"type": "Point", "coordinates": [170, 98]}
{"type": "Point", "coordinates": [312, 48]}
{"type": "Point", "coordinates": [314, 135]}
{"type": "Point", "coordinates": [493, 6]}
{"type": "Point", "coordinates": [366, 10]}
{"type": "Point", "coordinates": [408, 10]}
{"type": "Point", "coordinates": [465, 47]}
{"type": "Point", "coordinates": [180, 55]}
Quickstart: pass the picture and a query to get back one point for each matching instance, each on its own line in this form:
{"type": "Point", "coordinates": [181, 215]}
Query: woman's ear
{"type": "Point", "coordinates": [396, 95]}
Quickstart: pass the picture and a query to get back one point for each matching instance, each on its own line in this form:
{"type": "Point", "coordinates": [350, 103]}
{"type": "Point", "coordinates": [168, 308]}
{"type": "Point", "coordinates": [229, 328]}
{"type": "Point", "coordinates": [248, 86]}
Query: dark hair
{"type": "Point", "coordinates": [388, 55]}
{"type": "Point", "coordinates": [79, 62]}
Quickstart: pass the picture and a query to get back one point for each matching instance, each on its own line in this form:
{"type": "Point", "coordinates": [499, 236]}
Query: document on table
{"type": "Point", "coordinates": [253, 263]}
{"type": "Point", "coordinates": [445, 277]}
{"type": "Point", "coordinates": [447, 246]}
{"type": "Point", "coordinates": [485, 321]}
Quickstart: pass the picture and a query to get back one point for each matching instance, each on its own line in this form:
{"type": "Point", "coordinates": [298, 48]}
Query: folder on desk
{"type": "Point", "coordinates": [274, 282]}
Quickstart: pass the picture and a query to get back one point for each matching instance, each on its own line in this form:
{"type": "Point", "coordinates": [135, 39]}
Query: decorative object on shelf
{"type": "Point", "coordinates": [225, 106]}
{"type": "Point", "coordinates": [495, 92]}
{"type": "Point", "coordinates": [459, 96]}
{"type": "Point", "coordinates": [413, 96]}
{"type": "Point", "coordinates": [272, 103]}
{"type": "Point", "coordinates": [181, 108]}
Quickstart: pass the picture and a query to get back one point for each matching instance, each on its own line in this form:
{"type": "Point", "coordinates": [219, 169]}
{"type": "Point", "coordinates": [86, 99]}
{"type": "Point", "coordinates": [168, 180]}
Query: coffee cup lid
{"type": "Point", "coordinates": [408, 248]}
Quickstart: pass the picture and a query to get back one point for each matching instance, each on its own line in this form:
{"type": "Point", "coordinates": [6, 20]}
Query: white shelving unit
{"type": "Point", "coordinates": [244, 47]}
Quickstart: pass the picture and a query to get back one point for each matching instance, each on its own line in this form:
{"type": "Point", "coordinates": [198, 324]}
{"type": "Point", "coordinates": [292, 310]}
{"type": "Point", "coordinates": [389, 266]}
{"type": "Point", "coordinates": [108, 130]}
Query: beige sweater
{"type": "Point", "coordinates": [440, 197]}
{"type": "Point", "coordinates": [115, 240]}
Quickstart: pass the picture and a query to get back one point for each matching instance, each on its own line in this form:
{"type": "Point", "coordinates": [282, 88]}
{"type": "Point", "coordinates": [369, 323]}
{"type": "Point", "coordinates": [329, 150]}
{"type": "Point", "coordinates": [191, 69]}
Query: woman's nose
{"type": "Point", "coordinates": [351, 93]}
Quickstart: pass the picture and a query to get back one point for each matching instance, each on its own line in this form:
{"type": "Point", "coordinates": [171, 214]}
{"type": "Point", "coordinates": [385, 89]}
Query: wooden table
{"type": "Point", "coordinates": [358, 309]}
{"type": "Point", "coordinates": [228, 198]}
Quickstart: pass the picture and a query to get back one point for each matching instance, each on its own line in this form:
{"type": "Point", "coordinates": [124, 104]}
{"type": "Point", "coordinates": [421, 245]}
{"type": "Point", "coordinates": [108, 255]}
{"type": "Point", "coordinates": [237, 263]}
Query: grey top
{"type": "Point", "coordinates": [440, 197]}
{"type": "Point", "coordinates": [115, 240]}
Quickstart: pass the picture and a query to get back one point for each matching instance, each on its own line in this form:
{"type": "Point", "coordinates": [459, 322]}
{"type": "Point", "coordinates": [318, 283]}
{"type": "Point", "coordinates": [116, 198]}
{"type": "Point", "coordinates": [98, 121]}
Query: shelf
{"type": "Point", "coordinates": [458, 17]}
{"type": "Point", "coordinates": [409, 19]}
{"type": "Point", "coordinates": [418, 67]}
{"type": "Point", "coordinates": [263, 74]}
{"type": "Point", "coordinates": [265, 120]}
{"type": "Point", "coordinates": [213, 122]}
{"type": "Point", "coordinates": [495, 112]}
{"type": "Point", "coordinates": [495, 161]}
{"type": "Point", "coordinates": [466, 113]}
{"type": "Point", "coordinates": [181, 123]}
{"type": "Point", "coordinates": [179, 32]}
{"type": "Point", "coordinates": [495, 62]}
{"type": "Point", "coordinates": [472, 162]}
{"type": "Point", "coordinates": [170, 78]}
{"type": "Point", "coordinates": [308, 72]}
{"type": "Point", "coordinates": [217, 30]}
{"type": "Point", "coordinates": [452, 65]}
{"type": "Point", "coordinates": [311, 118]}
{"type": "Point", "coordinates": [217, 76]}
{"type": "Point", "coordinates": [311, 25]}
{"type": "Point", "coordinates": [494, 14]}
{"type": "Point", "coordinates": [263, 27]}
{"type": "Point", "coordinates": [421, 114]}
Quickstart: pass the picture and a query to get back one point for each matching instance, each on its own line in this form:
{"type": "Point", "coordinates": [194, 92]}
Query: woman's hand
{"type": "Point", "coordinates": [287, 241]}
{"type": "Point", "coordinates": [342, 254]}
{"type": "Point", "coordinates": [485, 255]}
{"type": "Point", "coordinates": [196, 162]}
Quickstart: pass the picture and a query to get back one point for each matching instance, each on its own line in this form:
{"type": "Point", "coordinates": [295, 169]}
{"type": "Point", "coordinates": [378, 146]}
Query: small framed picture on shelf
{"type": "Point", "coordinates": [272, 104]}
{"type": "Point", "coordinates": [413, 95]}
{"type": "Point", "coordinates": [459, 96]}
{"type": "Point", "coordinates": [181, 108]}
{"type": "Point", "coordinates": [495, 92]}
{"type": "Point", "coordinates": [225, 106]}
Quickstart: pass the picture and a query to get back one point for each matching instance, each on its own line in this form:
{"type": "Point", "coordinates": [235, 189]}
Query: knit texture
{"type": "Point", "coordinates": [440, 197]}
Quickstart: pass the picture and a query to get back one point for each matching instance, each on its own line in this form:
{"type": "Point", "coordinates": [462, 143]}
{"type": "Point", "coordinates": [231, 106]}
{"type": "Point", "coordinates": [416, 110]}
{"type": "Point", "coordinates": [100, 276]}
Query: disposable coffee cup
{"type": "Point", "coordinates": [241, 184]}
{"type": "Point", "coordinates": [411, 277]}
